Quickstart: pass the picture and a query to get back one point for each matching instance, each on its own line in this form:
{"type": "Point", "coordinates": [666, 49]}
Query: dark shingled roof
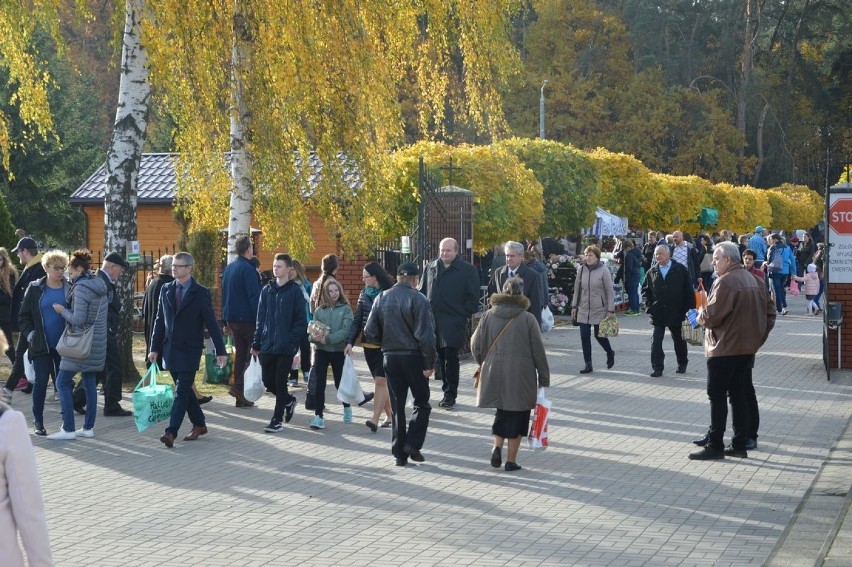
{"type": "Point", "coordinates": [157, 181]}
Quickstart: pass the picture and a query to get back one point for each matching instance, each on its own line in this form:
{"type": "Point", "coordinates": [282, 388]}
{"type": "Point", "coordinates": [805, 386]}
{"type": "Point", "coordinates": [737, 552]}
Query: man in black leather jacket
{"type": "Point", "coordinates": [401, 321]}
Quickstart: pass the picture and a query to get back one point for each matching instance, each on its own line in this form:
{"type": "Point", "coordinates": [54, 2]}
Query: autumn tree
{"type": "Point", "coordinates": [324, 78]}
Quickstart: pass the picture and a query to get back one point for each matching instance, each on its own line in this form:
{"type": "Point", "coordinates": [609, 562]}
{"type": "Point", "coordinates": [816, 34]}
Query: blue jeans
{"type": "Point", "coordinates": [185, 403]}
{"type": "Point", "coordinates": [778, 286]}
{"type": "Point", "coordinates": [65, 386]}
{"type": "Point", "coordinates": [45, 367]}
{"type": "Point", "coordinates": [632, 285]}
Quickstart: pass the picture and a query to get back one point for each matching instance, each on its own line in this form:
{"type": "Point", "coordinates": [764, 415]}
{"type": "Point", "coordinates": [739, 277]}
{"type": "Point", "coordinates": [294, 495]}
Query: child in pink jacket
{"type": "Point", "coordinates": [811, 281]}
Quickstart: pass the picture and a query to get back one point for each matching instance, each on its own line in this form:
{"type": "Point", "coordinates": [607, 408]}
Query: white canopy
{"type": "Point", "coordinates": [607, 224]}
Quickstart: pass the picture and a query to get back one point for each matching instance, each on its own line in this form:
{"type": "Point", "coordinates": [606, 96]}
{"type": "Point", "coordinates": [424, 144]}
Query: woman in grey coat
{"type": "Point", "coordinates": [593, 300]}
{"type": "Point", "coordinates": [512, 370]}
{"type": "Point", "coordinates": [87, 302]}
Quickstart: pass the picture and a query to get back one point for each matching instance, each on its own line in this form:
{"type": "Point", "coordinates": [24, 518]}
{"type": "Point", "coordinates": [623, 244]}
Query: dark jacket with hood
{"type": "Point", "coordinates": [281, 319]}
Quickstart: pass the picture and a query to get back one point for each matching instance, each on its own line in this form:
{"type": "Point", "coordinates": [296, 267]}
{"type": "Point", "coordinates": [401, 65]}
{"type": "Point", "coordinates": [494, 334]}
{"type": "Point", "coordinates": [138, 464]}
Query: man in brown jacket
{"type": "Point", "coordinates": [738, 318]}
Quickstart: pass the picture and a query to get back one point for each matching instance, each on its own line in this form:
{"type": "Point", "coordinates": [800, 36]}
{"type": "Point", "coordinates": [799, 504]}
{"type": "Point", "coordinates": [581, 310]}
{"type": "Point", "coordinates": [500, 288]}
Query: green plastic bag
{"type": "Point", "coordinates": [152, 403]}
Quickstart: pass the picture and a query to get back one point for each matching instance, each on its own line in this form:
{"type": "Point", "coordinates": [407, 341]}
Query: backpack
{"type": "Point", "coordinates": [777, 262]}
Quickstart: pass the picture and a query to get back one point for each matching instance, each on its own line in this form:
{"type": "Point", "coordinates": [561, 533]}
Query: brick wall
{"type": "Point", "coordinates": [841, 293]}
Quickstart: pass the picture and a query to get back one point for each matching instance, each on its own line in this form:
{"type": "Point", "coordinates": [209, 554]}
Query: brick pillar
{"type": "Point", "coordinates": [841, 293]}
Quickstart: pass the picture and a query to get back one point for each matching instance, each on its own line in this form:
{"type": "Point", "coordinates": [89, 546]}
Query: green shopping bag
{"type": "Point", "coordinates": [152, 403]}
{"type": "Point", "coordinates": [216, 375]}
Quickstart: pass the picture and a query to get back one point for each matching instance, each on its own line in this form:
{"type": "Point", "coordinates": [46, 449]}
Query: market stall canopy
{"type": "Point", "coordinates": [708, 216]}
{"type": "Point", "coordinates": [607, 224]}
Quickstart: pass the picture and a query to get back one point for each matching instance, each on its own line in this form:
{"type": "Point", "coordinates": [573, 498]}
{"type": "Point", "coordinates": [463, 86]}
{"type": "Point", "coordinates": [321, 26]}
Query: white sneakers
{"type": "Point", "coordinates": [87, 433]}
{"type": "Point", "coordinates": [63, 435]}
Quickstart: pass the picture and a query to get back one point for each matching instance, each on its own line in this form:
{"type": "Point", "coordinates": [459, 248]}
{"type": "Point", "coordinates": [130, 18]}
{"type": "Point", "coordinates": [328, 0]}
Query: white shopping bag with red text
{"type": "Point", "coordinates": [538, 429]}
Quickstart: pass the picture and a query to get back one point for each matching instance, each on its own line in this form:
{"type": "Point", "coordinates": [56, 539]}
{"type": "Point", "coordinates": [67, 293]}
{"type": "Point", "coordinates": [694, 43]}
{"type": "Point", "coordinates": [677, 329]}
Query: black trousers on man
{"type": "Point", "coordinates": [448, 362]}
{"type": "Point", "coordinates": [658, 357]}
{"type": "Point", "coordinates": [405, 372]}
{"type": "Point", "coordinates": [728, 378]}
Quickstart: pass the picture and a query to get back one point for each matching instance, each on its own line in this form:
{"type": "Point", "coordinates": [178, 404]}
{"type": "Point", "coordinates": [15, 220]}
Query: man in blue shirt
{"type": "Point", "coordinates": [758, 244]}
{"type": "Point", "coordinates": [240, 295]}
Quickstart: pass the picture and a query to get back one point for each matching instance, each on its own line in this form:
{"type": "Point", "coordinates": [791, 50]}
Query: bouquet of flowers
{"type": "Point", "coordinates": [318, 328]}
{"type": "Point", "coordinates": [558, 303]}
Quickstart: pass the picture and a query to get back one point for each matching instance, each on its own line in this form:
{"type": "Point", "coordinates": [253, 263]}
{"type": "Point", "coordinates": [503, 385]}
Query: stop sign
{"type": "Point", "coordinates": [840, 217]}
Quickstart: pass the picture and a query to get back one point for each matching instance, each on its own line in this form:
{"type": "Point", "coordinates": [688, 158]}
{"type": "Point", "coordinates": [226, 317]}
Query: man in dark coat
{"type": "Point", "coordinates": [111, 377]}
{"type": "Point", "coordinates": [185, 311]}
{"type": "Point", "coordinates": [515, 266]}
{"type": "Point", "coordinates": [667, 294]}
{"type": "Point", "coordinates": [452, 287]}
{"type": "Point", "coordinates": [30, 258]}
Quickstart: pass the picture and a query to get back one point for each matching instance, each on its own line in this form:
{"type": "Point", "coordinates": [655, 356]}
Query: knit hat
{"type": "Point", "coordinates": [811, 268]}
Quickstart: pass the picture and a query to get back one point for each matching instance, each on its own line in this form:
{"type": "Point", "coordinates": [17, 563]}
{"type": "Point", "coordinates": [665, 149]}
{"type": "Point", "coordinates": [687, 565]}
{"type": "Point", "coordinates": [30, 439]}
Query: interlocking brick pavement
{"type": "Point", "coordinates": [614, 488]}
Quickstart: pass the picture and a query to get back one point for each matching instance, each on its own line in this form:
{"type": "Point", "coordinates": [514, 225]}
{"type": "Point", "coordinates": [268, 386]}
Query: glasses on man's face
{"type": "Point", "coordinates": [180, 265]}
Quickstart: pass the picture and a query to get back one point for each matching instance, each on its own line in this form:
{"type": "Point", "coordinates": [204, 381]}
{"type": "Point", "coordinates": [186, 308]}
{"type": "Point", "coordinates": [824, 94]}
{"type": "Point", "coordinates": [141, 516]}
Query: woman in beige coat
{"type": "Point", "coordinates": [512, 370]}
{"type": "Point", "coordinates": [21, 506]}
{"type": "Point", "coordinates": [593, 300]}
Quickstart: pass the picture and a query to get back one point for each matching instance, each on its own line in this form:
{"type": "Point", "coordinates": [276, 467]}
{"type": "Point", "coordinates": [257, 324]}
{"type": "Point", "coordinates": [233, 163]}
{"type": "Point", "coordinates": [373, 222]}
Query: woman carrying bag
{"type": "Point", "coordinates": [87, 308]}
{"type": "Point", "coordinates": [593, 300]}
{"type": "Point", "coordinates": [508, 346]}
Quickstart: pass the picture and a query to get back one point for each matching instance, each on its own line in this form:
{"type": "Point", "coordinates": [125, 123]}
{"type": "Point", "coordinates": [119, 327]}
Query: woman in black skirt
{"type": "Point", "coordinates": [507, 344]}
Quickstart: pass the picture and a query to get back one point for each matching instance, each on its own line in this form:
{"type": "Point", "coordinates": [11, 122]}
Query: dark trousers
{"type": "Point", "coordinates": [405, 372]}
{"type": "Point", "coordinates": [322, 359]}
{"type": "Point", "coordinates": [185, 403]}
{"type": "Point", "coordinates": [727, 378]}
{"type": "Point", "coordinates": [45, 366]}
{"type": "Point", "coordinates": [586, 341]}
{"type": "Point", "coordinates": [242, 332]}
{"type": "Point", "coordinates": [658, 357]}
{"type": "Point", "coordinates": [751, 403]}
{"type": "Point", "coordinates": [18, 364]}
{"type": "Point", "coordinates": [275, 369]}
{"type": "Point", "coordinates": [632, 285]}
{"type": "Point", "coordinates": [448, 360]}
{"type": "Point", "coordinates": [305, 364]}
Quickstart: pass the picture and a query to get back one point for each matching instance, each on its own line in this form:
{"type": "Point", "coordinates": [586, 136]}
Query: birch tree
{"type": "Point", "coordinates": [122, 168]}
{"type": "Point", "coordinates": [320, 76]}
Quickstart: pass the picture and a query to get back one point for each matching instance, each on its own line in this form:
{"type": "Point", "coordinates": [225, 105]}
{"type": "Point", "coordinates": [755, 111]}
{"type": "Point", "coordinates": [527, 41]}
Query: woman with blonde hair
{"type": "Point", "coordinates": [42, 326]}
{"type": "Point", "coordinates": [8, 277]}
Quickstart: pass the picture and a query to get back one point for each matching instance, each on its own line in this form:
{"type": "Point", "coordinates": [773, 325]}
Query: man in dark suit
{"type": "Point", "coordinates": [111, 377]}
{"type": "Point", "coordinates": [668, 294]}
{"type": "Point", "coordinates": [185, 311]}
{"type": "Point", "coordinates": [515, 266]}
{"type": "Point", "coordinates": [452, 287]}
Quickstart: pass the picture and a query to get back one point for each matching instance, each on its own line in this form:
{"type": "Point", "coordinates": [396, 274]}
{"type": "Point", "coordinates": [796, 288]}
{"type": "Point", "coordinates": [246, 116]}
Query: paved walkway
{"type": "Point", "coordinates": [615, 487]}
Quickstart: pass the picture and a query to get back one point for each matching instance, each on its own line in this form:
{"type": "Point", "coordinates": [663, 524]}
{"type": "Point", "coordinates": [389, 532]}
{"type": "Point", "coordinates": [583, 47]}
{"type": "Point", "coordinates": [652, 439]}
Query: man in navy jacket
{"type": "Point", "coordinates": [184, 312]}
{"type": "Point", "coordinates": [240, 295]}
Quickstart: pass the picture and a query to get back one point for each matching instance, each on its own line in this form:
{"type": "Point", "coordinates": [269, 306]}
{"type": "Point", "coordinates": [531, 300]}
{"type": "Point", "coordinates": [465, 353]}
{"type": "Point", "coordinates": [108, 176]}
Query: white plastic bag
{"type": "Point", "coordinates": [29, 368]}
{"type": "Point", "coordinates": [538, 429]}
{"type": "Point", "coordinates": [350, 391]}
{"type": "Point", "coordinates": [546, 320]}
{"type": "Point", "coordinates": [253, 381]}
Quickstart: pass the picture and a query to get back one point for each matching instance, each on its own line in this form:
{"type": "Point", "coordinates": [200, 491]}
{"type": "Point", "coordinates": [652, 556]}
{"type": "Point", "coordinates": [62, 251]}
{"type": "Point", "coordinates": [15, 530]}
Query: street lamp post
{"type": "Point", "coordinates": [541, 111]}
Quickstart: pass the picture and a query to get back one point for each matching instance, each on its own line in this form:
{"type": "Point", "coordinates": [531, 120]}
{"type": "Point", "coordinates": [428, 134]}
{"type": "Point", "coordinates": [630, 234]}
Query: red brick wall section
{"type": "Point", "coordinates": [841, 293]}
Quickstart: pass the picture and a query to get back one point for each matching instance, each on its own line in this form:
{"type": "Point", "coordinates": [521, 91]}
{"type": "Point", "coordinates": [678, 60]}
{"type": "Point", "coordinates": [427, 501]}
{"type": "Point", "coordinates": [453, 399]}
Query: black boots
{"type": "Point", "coordinates": [587, 369]}
{"type": "Point", "coordinates": [610, 359]}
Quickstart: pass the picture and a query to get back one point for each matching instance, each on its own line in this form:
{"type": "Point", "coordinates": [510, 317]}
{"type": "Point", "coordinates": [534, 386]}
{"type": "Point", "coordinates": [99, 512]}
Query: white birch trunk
{"type": "Point", "coordinates": [123, 160]}
{"type": "Point", "coordinates": [239, 222]}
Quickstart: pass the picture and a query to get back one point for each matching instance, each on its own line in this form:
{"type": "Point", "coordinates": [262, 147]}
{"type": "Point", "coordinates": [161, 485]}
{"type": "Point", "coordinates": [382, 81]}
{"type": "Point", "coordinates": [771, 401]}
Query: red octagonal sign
{"type": "Point", "coordinates": [840, 217]}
